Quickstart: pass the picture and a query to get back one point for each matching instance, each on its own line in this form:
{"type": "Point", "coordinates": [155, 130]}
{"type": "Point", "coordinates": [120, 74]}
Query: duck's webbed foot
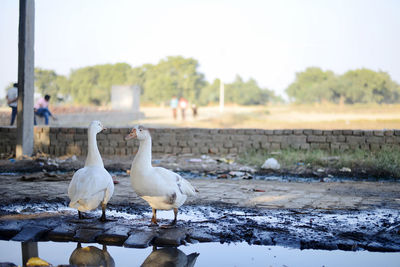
{"type": "Point", "coordinates": [154, 218]}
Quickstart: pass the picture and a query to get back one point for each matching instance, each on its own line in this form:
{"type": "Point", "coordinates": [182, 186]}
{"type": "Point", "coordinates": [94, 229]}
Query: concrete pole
{"type": "Point", "coordinates": [29, 250]}
{"type": "Point", "coordinates": [221, 96]}
{"type": "Point", "coordinates": [25, 78]}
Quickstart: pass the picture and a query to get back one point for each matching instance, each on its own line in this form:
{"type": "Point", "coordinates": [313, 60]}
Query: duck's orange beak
{"type": "Point", "coordinates": [131, 135]}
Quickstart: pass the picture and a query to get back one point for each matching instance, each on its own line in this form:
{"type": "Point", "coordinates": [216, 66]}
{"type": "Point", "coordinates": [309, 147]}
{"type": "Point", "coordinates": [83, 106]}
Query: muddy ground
{"type": "Point", "coordinates": [234, 204]}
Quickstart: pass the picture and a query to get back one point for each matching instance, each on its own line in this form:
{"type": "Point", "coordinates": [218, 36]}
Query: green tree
{"type": "Point", "coordinates": [48, 82]}
{"type": "Point", "coordinates": [312, 85]}
{"type": "Point", "coordinates": [368, 86]}
{"type": "Point", "coordinates": [210, 93]}
{"type": "Point", "coordinates": [92, 85]}
{"type": "Point", "coordinates": [174, 76]}
{"type": "Point", "coordinates": [246, 93]}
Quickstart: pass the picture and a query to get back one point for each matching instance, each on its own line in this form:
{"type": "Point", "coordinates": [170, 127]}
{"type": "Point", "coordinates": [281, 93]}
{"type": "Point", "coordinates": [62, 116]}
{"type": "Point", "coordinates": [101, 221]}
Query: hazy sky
{"type": "Point", "coordinates": [267, 40]}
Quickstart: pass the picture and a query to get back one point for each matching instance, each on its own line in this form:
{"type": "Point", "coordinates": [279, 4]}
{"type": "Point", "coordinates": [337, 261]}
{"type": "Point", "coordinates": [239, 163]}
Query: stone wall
{"type": "Point", "coordinates": [58, 141]}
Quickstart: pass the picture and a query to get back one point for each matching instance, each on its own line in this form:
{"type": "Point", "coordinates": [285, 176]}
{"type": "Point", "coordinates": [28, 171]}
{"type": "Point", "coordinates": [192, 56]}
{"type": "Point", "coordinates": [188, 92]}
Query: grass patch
{"type": "Point", "coordinates": [385, 161]}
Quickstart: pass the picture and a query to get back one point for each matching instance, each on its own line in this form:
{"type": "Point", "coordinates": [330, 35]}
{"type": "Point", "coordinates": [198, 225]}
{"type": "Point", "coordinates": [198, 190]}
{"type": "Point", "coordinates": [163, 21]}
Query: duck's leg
{"type": "Point", "coordinates": [173, 223]}
{"type": "Point", "coordinates": [154, 218]}
{"type": "Point", "coordinates": [175, 216]}
{"type": "Point", "coordinates": [103, 212]}
{"type": "Point", "coordinates": [80, 216]}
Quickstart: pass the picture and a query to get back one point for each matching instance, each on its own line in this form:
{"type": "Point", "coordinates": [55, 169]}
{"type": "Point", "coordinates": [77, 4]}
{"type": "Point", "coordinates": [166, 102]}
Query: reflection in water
{"type": "Point", "coordinates": [91, 256]}
{"type": "Point", "coordinates": [170, 257]}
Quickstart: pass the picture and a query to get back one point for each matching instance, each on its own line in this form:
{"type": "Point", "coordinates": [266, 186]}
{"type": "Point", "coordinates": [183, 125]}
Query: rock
{"type": "Point", "coordinates": [271, 164]}
{"type": "Point", "coordinates": [236, 173]}
{"type": "Point", "coordinates": [345, 169]}
{"type": "Point", "coordinates": [87, 235]}
{"type": "Point", "coordinates": [171, 237]}
{"type": "Point", "coordinates": [62, 233]}
{"type": "Point", "coordinates": [114, 236]}
{"type": "Point", "coordinates": [30, 233]}
{"type": "Point", "coordinates": [247, 169]}
{"type": "Point", "coordinates": [140, 239]}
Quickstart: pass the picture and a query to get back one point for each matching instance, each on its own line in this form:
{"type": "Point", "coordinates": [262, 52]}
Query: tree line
{"type": "Point", "coordinates": [173, 76]}
{"type": "Point", "coordinates": [179, 76]}
{"type": "Point", "coordinates": [355, 86]}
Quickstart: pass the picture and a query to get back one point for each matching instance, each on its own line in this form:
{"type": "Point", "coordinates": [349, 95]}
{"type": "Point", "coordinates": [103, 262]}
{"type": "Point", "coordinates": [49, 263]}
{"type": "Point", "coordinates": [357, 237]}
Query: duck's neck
{"type": "Point", "coordinates": [143, 156]}
{"type": "Point", "coordinates": [93, 157]}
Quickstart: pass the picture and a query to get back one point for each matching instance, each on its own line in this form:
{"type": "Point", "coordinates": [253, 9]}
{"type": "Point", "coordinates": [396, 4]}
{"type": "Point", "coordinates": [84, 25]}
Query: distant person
{"type": "Point", "coordinates": [194, 110]}
{"type": "Point", "coordinates": [41, 109]}
{"type": "Point", "coordinates": [174, 106]}
{"type": "Point", "coordinates": [12, 101]}
{"type": "Point", "coordinates": [183, 103]}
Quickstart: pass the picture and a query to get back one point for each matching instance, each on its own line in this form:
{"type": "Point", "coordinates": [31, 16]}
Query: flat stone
{"type": "Point", "coordinates": [114, 236]}
{"type": "Point", "coordinates": [202, 236]}
{"type": "Point", "coordinates": [140, 239]}
{"type": "Point", "coordinates": [30, 233]}
{"type": "Point", "coordinates": [87, 235]}
{"type": "Point", "coordinates": [64, 232]}
{"type": "Point", "coordinates": [171, 237]}
{"type": "Point", "coordinates": [10, 229]}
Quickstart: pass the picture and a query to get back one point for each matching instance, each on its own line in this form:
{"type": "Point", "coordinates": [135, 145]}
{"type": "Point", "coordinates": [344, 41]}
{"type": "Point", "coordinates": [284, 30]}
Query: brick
{"type": "Point", "coordinates": [355, 139]}
{"type": "Point", "coordinates": [389, 132]}
{"type": "Point", "coordinates": [275, 146]}
{"type": "Point", "coordinates": [337, 132]}
{"type": "Point", "coordinates": [316, 139]}
{"type": "Point", "coordinates": [375, 140]}
{"type": "Point", "coordinates": [317, 132]}
{"type": "Point", "coordinates": [295, 139]}
{"type": "Point", "coordinates": [277, 138]}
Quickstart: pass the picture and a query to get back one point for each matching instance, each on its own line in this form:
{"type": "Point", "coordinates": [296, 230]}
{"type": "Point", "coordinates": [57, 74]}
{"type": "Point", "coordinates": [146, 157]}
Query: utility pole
{"type": "Point", "coordinates": [221, 96]}
{"type": "Point", "coordinates": [26, 65]}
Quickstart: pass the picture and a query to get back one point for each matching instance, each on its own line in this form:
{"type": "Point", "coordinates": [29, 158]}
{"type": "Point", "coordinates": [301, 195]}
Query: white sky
{"type": "Point", "coordinates": [267, 40]}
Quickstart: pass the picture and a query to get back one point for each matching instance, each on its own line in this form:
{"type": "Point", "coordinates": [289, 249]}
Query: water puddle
{"type": "Point", "coordinates": [232, 175]}
{"type": "Point", "coordinates": [201, 254]}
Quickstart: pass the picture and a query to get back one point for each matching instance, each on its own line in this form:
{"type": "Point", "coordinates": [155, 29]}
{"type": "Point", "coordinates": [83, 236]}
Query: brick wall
{"type": "Point", "coordinates": [62, 141]}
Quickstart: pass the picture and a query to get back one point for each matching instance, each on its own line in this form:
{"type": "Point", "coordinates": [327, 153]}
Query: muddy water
{"type": "Point", "coordinates": [208, 254]}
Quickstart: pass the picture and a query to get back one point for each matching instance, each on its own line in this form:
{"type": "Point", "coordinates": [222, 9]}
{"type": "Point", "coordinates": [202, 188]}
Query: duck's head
{"type": "Point", "coordinates": [138, 132]}
{"type": "Point", "coordinates": [96, 127]}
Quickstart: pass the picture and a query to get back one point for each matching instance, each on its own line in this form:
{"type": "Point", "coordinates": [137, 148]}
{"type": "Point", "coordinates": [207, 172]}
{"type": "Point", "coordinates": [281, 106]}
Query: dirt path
{"type": "Point", "coordinates": [343, 215]}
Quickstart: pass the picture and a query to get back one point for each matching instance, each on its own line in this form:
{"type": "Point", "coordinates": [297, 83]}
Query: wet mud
{"type": "Point", "coordinates": [29, 216]}
{"type": "Point", "coordinates": [372, 230]}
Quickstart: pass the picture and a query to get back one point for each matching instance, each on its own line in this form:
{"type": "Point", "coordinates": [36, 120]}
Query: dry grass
{"type": "Point", "coordinates": [281, 117]}
{"type": "Point", "coordinates": [325, 116]}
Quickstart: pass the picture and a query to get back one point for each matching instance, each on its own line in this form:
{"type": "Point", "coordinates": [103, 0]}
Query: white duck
{"type": "Point", "coordinates": [92, 184]}
{"type": "Point", "coordinates": [161, 188]}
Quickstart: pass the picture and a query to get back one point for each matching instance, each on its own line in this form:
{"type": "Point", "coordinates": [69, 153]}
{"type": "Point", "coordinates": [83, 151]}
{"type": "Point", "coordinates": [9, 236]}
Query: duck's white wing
{"type": "Point", "coordinates": [175, 181]}
{"type": "Point", "coordinates": [90, 186]}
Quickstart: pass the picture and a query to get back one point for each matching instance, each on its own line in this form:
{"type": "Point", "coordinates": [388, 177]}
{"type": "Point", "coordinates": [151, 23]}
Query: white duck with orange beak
{"type": "Point", "coordinates": [161, 188]}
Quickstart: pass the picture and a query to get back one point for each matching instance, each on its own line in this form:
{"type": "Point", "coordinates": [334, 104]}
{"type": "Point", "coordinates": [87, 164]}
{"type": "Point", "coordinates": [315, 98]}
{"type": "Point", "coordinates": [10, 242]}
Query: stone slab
{"type": "Point", "coordinates": [171, 237]}
{"type": "Point", "coordinates": [140, 239]}
{"type": "Point", "coordinates": [87, 235]}
{"type": "Point", "coordinates": [64, 232]}
{"type": "Point", "coordinates": [30, 233]}
{"type": "Point", "coordinates": [114, 236]}
{"type": "Point", "coordinates": [7, 231]}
